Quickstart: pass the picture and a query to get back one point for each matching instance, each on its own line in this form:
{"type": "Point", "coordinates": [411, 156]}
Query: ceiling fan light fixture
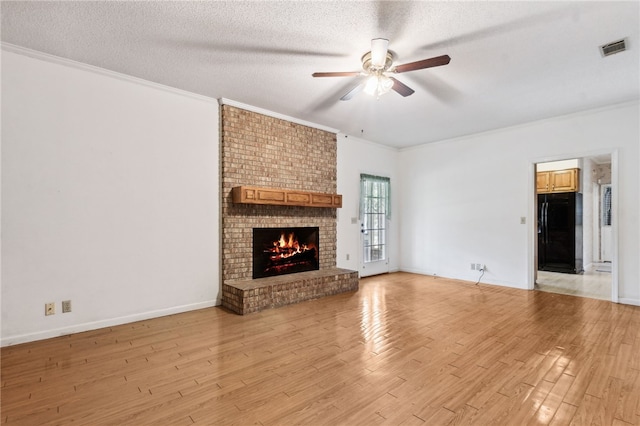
{"type": "Point", "coordinates": [378, 85]}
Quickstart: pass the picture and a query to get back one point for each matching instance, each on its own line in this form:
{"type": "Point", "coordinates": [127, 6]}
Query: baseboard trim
{"type": "Point", "coordinates": [417, 271]}
{"type": "Point", "coordinates": [78, 328]}
{"type": "Point", "coordinates": [486, 279]}
{"type": "Point", "coordinates": [94, 325]}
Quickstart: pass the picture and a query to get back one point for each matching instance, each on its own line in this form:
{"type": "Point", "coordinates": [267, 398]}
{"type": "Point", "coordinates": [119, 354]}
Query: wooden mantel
{"type": "Point", "coordinates": [284, 197]}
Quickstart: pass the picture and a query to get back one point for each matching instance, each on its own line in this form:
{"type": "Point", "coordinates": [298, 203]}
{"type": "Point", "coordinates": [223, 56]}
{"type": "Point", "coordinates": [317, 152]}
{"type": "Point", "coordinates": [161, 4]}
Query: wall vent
{"type": "Point", "coordinates": [612, 48]}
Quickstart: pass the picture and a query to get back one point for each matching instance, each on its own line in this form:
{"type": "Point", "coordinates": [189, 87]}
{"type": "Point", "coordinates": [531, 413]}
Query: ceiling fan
{"type": "Point", "coordinates": [376, 67]}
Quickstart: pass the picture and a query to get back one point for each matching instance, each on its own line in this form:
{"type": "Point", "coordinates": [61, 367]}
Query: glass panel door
{"type": "Point", "coordinates": [374, 214]}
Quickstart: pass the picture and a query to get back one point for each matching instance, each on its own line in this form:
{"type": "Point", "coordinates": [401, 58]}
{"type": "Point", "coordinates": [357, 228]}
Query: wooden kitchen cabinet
{"type": "Point", "coordinates": [558, 181]}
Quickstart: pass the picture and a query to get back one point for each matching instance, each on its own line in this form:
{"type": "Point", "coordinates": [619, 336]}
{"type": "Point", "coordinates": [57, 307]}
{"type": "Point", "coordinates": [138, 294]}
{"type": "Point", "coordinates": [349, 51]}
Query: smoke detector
{"type": "Point", "coordinates": [613, 47]}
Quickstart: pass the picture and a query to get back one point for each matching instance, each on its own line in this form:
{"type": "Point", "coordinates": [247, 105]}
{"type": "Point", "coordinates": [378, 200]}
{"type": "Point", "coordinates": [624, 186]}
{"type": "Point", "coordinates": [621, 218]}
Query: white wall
{"type": "Point", "coordinates": [574, 163]}
{"type": "Point", "coordinates": [109, 198]}
{"type": "Point", "coordinates": [356, 156]}
{"type": "Point", "coordinates": [462, 199]}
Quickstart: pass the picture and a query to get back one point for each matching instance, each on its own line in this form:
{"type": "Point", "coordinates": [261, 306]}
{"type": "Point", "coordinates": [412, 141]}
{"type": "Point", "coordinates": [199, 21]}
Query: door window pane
{"type": "Point", "coordinates": [375, 198]}
{"type": "Point", "coordinates": [606, 206]}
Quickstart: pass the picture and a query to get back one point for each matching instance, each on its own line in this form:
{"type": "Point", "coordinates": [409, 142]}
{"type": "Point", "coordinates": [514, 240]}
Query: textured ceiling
{"type": "Point", "coordinates": [511, 62]}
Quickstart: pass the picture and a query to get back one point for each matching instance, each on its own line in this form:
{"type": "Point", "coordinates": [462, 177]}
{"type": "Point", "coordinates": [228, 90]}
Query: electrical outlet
{"type": "Point", "coordinates": [49, 308]}
{"type": "Point", "coordinates": [473, 266]}
{"type": "Point", "coordinates": [66, 306]}
{"type": "Point", "coordinates": [347, 256]}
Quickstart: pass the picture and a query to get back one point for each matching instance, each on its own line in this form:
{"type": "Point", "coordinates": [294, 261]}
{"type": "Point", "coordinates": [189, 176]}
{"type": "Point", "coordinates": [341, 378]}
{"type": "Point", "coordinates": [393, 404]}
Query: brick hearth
{"type": "Point", "coordinates": [244, 297]}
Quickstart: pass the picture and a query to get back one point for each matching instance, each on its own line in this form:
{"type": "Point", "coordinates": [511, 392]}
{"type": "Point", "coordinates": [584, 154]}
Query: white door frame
{"type": "Point", "coordinates": [381, 266]}
{"type": "Point", "coordinates": [533, 213]}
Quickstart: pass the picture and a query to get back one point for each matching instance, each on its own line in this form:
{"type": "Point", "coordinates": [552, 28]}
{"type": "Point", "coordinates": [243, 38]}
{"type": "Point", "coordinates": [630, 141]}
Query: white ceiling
{"type": "Point", "coordinates": [511, 62]}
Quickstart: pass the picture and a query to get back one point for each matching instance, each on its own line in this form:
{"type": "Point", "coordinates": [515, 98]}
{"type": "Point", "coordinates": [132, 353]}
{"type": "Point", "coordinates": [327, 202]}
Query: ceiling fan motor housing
{"type": "Point", "coordinates": [368, 66]}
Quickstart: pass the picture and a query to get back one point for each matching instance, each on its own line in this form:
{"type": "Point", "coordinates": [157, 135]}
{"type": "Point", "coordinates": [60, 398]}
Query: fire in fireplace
{"type": "Point", "coordinates": [278, 251]}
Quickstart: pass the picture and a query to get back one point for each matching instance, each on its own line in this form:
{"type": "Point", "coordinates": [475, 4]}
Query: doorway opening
{"type": "Point", "coordinates": [574, 254]}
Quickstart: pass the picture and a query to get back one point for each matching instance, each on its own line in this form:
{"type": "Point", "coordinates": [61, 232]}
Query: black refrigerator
{"type": "Point", "coordinates": [560, 232]}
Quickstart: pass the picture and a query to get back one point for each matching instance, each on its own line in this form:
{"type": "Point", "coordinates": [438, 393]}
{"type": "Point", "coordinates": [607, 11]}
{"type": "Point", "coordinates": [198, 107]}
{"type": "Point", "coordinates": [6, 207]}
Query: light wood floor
{"type": "Point", "coordinates": [405, 349]}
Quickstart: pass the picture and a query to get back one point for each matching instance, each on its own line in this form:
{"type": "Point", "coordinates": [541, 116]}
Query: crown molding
{"type": "Point", "coordinates": [8, 47]}
{"type": "Point", "coordinates": [499, 130]}
{"type": "Point", "coordinates": [224, 101]}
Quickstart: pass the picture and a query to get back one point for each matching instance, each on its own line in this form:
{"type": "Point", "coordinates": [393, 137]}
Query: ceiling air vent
{"type": "Point", "coordinates": [612, 48]}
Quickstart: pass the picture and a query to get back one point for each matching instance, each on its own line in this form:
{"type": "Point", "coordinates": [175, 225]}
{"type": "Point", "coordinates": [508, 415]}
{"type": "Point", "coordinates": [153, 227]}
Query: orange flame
{"type": "Point", "coordinates": [287, 246]}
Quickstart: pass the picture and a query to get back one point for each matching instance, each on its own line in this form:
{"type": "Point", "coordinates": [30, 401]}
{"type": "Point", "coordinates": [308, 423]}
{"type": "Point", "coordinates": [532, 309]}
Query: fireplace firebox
{"type": "Point", "coordinates": [279, 251]}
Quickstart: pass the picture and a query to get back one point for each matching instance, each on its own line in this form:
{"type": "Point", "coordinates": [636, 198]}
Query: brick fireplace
{"type": "Point", "coordinates": [265, 151]}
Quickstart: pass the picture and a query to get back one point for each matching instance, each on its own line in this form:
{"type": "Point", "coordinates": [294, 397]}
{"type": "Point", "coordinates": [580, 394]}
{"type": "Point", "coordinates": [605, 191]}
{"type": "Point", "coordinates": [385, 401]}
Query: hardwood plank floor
{"type": "Point", "coordinates": [405, 349]}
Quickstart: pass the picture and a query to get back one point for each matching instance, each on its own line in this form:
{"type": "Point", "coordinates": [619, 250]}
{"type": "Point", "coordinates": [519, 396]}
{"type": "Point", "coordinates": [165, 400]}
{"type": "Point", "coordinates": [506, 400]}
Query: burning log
{"type": "Point", "coordinates": [287, 253]}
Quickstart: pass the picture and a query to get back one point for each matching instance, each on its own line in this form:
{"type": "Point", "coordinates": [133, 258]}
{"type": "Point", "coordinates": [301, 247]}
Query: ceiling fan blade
{"type": "Point", "coordinates": [379, 48]}
{"type": "Point", "coordinates": [425, 63]}
{"type": "Point", "coordinates": [351, 93]}
{"type": "Point", "coordinates": [401, 88]}
{"type": "Point", "coordinates": [336, 74]}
